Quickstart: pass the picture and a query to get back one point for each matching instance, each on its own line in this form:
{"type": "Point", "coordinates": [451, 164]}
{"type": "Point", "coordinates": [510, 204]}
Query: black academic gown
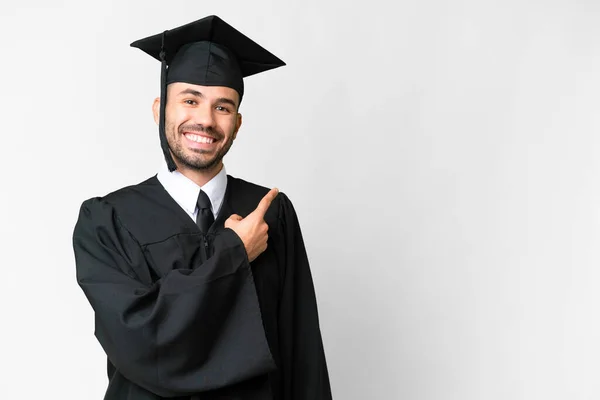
{"type": "Point", "coordinates": [185, 315]}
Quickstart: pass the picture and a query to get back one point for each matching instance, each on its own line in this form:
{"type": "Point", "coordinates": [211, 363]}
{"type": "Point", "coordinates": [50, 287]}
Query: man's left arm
{"type": "Point", "coordinates": [305, 372]}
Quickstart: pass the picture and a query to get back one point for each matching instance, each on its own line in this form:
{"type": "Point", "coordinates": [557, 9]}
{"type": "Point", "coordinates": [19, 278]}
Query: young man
{"type": "Point", "coordinates": [199, 281]}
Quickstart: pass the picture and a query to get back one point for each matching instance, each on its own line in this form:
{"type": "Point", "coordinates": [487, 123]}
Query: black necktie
{"type": "Point", "coordinates": [205, 217]}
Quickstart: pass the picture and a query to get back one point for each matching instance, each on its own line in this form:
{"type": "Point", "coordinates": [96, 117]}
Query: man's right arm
{"type": "Point", "coordinates": [191, 331]}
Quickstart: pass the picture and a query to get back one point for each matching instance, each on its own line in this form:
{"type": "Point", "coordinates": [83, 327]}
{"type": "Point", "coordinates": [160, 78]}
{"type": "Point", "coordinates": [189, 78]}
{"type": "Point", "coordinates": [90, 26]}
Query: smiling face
{"type": "Point", "coordinates": [201, 123]}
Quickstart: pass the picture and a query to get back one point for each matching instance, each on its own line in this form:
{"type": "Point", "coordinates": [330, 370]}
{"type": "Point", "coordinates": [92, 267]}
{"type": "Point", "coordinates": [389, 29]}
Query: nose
{"type": "Point", "coordinates": [204, 116]}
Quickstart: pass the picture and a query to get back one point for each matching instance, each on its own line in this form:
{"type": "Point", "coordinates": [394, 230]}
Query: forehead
{"type": "Point", "coordinates": [209, 92]}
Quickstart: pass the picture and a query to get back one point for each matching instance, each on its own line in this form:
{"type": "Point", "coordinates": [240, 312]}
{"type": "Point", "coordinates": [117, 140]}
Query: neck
{"type": "Point", "coordinates": [199, 177]}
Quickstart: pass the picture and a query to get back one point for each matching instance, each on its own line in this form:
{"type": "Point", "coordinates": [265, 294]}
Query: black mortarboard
{"type": "Point", "coordinates": [207, 52]}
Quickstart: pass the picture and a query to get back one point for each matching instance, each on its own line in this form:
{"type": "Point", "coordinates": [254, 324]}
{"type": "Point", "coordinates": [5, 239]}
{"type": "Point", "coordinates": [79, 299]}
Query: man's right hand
{"type": "Point", "coordinates": [253, 229]}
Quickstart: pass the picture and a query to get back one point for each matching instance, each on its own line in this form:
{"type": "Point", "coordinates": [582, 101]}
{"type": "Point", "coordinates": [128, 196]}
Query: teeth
{"type": "Point", "coordinates": [198, 138]}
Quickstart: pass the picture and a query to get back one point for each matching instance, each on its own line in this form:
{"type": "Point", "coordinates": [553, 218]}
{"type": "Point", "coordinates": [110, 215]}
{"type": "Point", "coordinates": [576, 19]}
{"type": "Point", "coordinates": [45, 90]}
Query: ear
{"type": "Point", "coordinates": [156, 110]}
{"type": "Point", "coordinates": [238, 124]}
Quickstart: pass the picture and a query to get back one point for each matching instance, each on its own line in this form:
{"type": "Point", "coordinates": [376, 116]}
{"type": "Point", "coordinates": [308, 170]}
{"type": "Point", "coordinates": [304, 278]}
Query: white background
{"type": "Point", "coordinates": [443, 158]}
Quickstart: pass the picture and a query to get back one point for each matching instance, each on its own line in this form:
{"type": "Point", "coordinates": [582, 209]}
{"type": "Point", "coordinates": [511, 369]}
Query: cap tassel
{"type": "Point", "coordinates": [164, 144]}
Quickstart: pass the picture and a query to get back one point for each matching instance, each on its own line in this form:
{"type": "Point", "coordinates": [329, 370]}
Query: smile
{"type": "Point", "coordinates": [199, 139]}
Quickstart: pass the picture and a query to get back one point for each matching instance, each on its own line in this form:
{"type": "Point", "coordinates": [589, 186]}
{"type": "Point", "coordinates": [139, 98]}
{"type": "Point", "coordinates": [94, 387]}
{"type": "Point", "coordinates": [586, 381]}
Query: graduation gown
{"type": "Point", "coordinates": [185, 315]}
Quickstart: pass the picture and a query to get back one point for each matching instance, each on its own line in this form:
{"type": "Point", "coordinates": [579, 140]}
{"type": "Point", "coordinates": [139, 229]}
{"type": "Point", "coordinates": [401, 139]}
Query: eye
{"type": "Point", "coordinates": [222, 109]}
{"type": "Point", "coordinates": [190, 102]}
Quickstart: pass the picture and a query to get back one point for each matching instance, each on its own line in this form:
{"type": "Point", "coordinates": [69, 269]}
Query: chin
{"type": "Point", "coordinates": [204, 165]}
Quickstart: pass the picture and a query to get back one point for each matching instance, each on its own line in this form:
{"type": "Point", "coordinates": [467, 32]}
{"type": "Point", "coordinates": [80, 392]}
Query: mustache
{"type": "Point", "coordinates": [200, 129]}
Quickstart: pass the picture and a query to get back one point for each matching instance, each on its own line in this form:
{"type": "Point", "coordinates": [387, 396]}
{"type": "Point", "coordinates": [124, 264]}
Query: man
{"type": "Point", "coordinates": [199, 281]}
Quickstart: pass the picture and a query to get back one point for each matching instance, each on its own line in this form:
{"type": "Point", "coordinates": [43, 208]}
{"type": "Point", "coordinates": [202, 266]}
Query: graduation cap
{"type": "Point", "coordinates": [207, 52]}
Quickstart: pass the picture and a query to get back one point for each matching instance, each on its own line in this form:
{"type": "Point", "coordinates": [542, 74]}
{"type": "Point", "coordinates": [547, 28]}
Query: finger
{"type": "Point", "coordinates": [235, 217]}
{"type": "Point", "coordinates": [266, 201]}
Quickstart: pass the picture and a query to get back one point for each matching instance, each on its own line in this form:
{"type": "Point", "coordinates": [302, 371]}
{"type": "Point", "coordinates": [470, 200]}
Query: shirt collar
{"type": "Point", "coordinates": [185, 191]}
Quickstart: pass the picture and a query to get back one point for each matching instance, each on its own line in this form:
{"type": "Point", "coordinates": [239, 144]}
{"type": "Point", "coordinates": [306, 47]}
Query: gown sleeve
{"type": "Point", "coordinates": [193, 330]}
{"type": "Point", "coordinates": [305, 372]}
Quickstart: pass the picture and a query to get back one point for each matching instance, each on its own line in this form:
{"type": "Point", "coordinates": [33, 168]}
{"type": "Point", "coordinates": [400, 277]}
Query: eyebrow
{"type": "Point", "coordinates": [192, 92]}
{"type": "Point", "coordinates": [196, 93]}
{"type": "Point", "coordinates": [226, 100]}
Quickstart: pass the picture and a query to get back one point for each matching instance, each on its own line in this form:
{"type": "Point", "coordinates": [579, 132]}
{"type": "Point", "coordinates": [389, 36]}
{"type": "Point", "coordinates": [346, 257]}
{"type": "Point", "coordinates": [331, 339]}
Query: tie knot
{"type": "Point", "coordinates": [203, 201]}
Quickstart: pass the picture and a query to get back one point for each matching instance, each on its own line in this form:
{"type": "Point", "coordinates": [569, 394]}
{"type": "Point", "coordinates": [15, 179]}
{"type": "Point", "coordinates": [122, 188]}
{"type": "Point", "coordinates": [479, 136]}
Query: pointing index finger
{"type": "Point", "coordinates": [266, 201]}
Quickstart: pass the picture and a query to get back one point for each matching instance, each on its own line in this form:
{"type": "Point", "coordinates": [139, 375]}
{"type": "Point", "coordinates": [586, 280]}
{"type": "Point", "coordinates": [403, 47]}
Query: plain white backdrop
{"type": "Point", "coordinates": [443, 157]}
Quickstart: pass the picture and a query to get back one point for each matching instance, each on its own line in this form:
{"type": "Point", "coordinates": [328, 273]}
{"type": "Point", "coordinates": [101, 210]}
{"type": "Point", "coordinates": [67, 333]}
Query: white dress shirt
{"type": "Point", "coordinates": [185, 191]}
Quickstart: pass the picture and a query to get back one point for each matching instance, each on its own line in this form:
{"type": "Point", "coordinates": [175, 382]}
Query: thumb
{"type": "Point", "coordinates": [235, 217]}
{"type": "Point", "coordinates": [232, 221]}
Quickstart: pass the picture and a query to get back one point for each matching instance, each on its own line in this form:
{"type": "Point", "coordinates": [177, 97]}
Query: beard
{"type": "Point", "coordinates": [196, 159]}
